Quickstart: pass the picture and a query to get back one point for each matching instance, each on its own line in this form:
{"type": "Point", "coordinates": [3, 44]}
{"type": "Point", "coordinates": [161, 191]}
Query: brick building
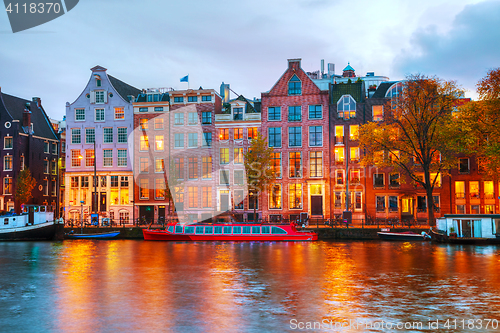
{"type": "Point", "coordinates": [295, 121]}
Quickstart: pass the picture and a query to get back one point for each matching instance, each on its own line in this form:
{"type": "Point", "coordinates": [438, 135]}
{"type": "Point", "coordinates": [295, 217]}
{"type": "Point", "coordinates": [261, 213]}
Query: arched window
{"type": "Point", "coordinates": [294, 86]}
{"type": "Point", "coordinates": [346, 107]}
{"type": "Point", "coordinates": [394, 90]}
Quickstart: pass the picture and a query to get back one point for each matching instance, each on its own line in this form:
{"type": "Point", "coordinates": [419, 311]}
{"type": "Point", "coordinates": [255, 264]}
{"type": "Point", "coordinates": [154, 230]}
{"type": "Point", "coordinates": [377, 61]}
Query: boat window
{"type": "Point", "coordinates": [255, 230]}
{"type": "Point", "coordinates": [227, 230]}
{"type": "Point", "coordinates": [209, 230]}
{"type": "Point", "coordinates": [42, 208]}
{"type": "Point", "coordinates": [170, 228]}
{"type": "Point", "coordinates": [237, 230]}
{"type": "Point", "coordinates": [246, 230]}
{"type": "Point", "coordinates": [218, 230]}
{"type": "Point", "coordinates": [178, 229]}
{"type": "Point", "coordinates": [266, 230]}
{"type": "Point", "coordinates": [277, 230]}
{"type": "Point", "coordinates": [6, 221]}
{"type": "Point", "coordinates": [189, 230]}
{"type": "Point", "coordinates": [199, 230]}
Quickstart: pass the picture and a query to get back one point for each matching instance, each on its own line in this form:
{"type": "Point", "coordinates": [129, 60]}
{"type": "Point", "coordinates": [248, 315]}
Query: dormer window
{"type": "Point", "coordinates": [294, 86]}
{"type": "Point", "coordinates": [346, 107]}
{"type": "Point", "coordinates": [395, 90]}
{"type": "Point", "coordinates": [98, 82]}
{"type": "Point", "coordinates": [237, 113]}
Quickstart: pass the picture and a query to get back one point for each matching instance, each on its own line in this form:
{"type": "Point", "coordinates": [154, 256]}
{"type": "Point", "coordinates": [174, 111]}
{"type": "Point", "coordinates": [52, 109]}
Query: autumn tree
{"type": "Point", "coordinates": [258, 167]}
{"type": "Point", "coordinates": [480, 121]}
{"type": "Point", "coordinates": [417, 136]}
{"type": "Point", "coordinates": [25, 184]}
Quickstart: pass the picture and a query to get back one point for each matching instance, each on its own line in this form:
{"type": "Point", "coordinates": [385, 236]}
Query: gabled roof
{"type": "Point", "coordinates": [122, 88]}
{"type": "Point", "coordinates": [41, 124]}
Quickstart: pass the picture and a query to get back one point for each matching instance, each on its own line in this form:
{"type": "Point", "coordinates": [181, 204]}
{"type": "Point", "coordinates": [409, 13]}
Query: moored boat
{"type": "Point", "coordinates": [230, 232]}
{"type": "Point", "coordinates": [101, 235]}
{"type": "Point", "coordinates": [35, 223]}
{"type": "Point", "coordinates": [403, 236]}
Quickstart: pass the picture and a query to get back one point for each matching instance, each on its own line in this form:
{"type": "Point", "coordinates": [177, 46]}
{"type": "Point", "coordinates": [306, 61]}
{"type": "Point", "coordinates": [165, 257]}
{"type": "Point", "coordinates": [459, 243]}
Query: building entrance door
{"type": "Point", "coordinates": [316, 199]}
{"type": "Point", "coordinates": [102, 202]}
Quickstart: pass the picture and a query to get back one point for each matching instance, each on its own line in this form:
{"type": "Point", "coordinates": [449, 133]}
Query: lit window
{"type": "Point", "coordinates": [354, 132]}
{"type": "Point", "coordinates": [7, 163]}
{"type": "Point", "coordinates": [179, 168]}
{"type": "Point", "coordinates": [275, 197]}
{"type": "Point", "coordinates": [144, 188]}
{"type": "Point", "coordinates": [193, 168]}
{"type": "Point", "coordinates": [346, 107]}
{"type": "Point", "coordinates": [206, 195]}
{"type": "Point", "coordinates": [7, 186]}
{"type": "Point", "coordinates": [144, 143]}
{"type": "Point", "coordinates": [76, 158]}
{"type": "Point", "coordinates": [378, 112]}
{"type": "Point", "coordinates": [144, 123]}
{"type": "Point", "coordinates": [89, 157]}
{"type": "Point", "coordinates": [119, 113]}
{"type": "Point", "coordinates": [159, 165]}
{"type": "Point", "coordinates": [159, 145]}
{"type": "Point", "coordinates": [252, 133]}
{"type": "Point", "coordinates": [276, 164]}
{"type": "Point", "coordinates": [224, 134]}
{"type": "Point", "coordinates": [159, 188]}
{"type": "Point", "coordinates": [207, 167]}
{"type": "Point", "coordinates": [238, 156]}
{"type": "Point", "coordinates": [224, 155]}
{"type": "Point", "coordinates": [238, 133]}
{"type": "Point", "coordinates": [339, 155]}
{"type": "Point", "coordinates": [8, 142]}
{"type": "Point", "coordinates": [295, 164]}
{"type": "Point", "coordinates": [158, 123]}
{"type": "Point", "coordinates": [295, 195]}
{"type": "Point", "coordinates": [193, 196]}
{"type": "Point", "coordinates": [316, 164]}
{"type": "Point", "coordinates": [238, 199]}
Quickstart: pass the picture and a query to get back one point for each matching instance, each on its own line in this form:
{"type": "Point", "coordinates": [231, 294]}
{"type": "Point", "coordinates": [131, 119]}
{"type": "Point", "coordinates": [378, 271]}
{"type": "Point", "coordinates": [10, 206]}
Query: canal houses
{"type": "Point", "coordinates": [295, 122]}
{"type": "Point", "coordinates": [28, 141]}
{"type": "Point", "coordinates": [99, 170]}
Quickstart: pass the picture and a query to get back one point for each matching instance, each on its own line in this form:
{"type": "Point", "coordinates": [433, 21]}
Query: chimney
{"type": "Point", "coordinates": [294, 63]}
{"type": "Point", "coordinates": [27, 116]}
{"type": "Point", "coordinates": [38, 101]}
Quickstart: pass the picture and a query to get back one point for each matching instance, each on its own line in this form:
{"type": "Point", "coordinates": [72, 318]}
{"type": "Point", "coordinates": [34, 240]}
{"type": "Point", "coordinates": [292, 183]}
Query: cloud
{"type": "Point", "coordinates": [464, 53]}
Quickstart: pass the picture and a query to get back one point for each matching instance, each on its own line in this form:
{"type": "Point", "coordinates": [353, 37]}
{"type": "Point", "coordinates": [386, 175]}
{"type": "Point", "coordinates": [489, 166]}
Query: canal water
{"type": "Point", "coordinates": [137, 286]}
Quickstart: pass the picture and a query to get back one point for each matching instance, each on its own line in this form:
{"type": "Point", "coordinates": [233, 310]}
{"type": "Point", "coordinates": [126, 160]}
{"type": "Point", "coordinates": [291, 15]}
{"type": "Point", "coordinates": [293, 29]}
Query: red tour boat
{"type": "Point", "coordinates": [229, 232]}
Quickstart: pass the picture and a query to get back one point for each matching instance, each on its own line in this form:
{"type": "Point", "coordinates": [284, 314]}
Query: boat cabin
{"type": "Point", "coordinates": [31, 215]}
{"type": "Point", "coordinates": [470, 225]}
{"type": "Point", "coordinates": [226, 230]}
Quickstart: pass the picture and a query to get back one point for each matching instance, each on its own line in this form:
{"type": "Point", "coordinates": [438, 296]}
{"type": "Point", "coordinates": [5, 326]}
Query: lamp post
{"type": "Point", "coordinates": [94, 194]}
{"type": "Point", "coordinates": [81, 216]}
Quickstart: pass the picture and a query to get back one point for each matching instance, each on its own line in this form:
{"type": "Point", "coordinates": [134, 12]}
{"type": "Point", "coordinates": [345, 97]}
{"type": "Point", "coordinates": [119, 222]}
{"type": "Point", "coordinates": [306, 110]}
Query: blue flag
{"type": "Point", "coordinates": [185, 79]}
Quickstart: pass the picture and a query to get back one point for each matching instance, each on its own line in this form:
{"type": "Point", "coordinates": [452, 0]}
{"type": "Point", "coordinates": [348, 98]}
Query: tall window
{"type": "Point", "coordinates": [276, 164]}
{"type": "Point", "coordinates": [144, 143]}
{"type": "Point", "coordinates": [224, 177]}
{"type": "Point", "coordinates": [238, 199]}
{"type": "Point", "coordinates": [7, 163]}
{"type": "Point", "coordinates": [295, 164]}
{"type": "Point", "coordinates": [380, 203]}
{"type": "Point", "coordinates": [339, 155]}
{"type": "Point", "coordinates": [295, 195]}
{"type": "Point", "coordinates": [316, 164]}
{"type": "Point", "coordinates": [315, 136]}
{"type": "Point", "coordinates": [237, 113]}
{"type": "Point", "coordinates": [353, 132]}
{"type": "Point", "coordinates": [378, 112]}
{"type": "Point", "coordinates": [8, 142]}
{"type": "Point", "coordinates": [252, 133]}
{"type": "Point", "coordinates": [274, 137]}
{"type": "Point", "coordinates": [76, 158]}
{"type": "Point", "coordinates": [378, 180]}
{"type": "Point", "coordinates": [238, 177]}
{"type": "Point", "coordinates": [315, 111]}
{"type": "Point", "coordinates": [89, 157]}
{"type": "Point", "coordinates": [238, 156]}
{"type": "Point", "coordinates": [295, 136]}
{"type": "Point", "coordinates": [354, 176]}
{"type": "Point", "coordinates": [463, 165]}
{"type": "Point", "coordinates": [354, 154]}
{"type": "Point", "coordinates": [275, 197]}
{"type": "Point", "coordinates": [7, 186]}
{"type": "Point", "coordinates": [394, 180]}
{"type": "Point", "coordinates": [294, 86]}
{"type": "Point", "coordinates": [206, 196]}
{"type": "Point", "coordinates": [206, 118]}
{"type": "Point", "coordinates": [45, 165]}
{"type": "Point", "coordinates": [159, 165]}
{"type": "Point", "coordinates": [53, 167]}
{"type": "Point", "coordinates": [159, 188]}
{"type": "Point", "coordinates": [294, 113]}
{"type": "Point", "coordinates": [460, 189]}
{"type": "Point", "coordinates": [274, 113]}
{"type": "Point", "coordinates": [107, 155]}
{"type": "Point", "coordinates": [108, 135]}
{"type": "Point", "coordinates": [99, 114]}
{"type": "Point", "coordinates": [144, 123]}
{"type": "Point", "coordinates": [79, 114]}
{"type": "Point", "coordinates": [192, 118]}
{"type": "Point", "coordinates": [144, 165]}
{"type": "Point", "coordinates": [192, 140]}
{"type": "Point", "coordinates": [159, 144]}
{"type": "Point", "coordinates": [224, 134]}
{"type": "Point", "coordinates": [238, 133]}
{"type": "Point", "coordinates": [178, 118]}
{"type": "Point", "coordinates": [76, 136]}
{"type": "Point", "coordinates": [193, 168]}
{"type": "Point", "coordinates": [339, 177]}
{"type": "Point", "coordinates": [346, 107]}
{"type": "Point", "coordinates": [158, 123]}
{"type": "Point", "coordinates": [179, 168]}
{"type": "Point", "coordinates": [206, 167]}
{"type": "Point", "coordinates": [144, 188]}
{"type": "Point", "coordinates": [122, 157]}
{"type": "Point", "coordinates": [207, 139]}
{"type": "Point", "coordinates": [122, 135]}
{"type": "Point", "coordinates": [224, 155]}
{"type": "Point", "coordinates": [89, 135]}
{"type": "Point", "coordinates": [193, 196]}
{"type": "Point", "coordinates": [179, 140]}
{"type": "Point", "coordinates": [119, 113]}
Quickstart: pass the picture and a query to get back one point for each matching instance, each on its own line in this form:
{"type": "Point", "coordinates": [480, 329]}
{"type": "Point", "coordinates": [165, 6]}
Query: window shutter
{"type": "Point", "coordinates": [92, 97]}
{"type": "Point", "coordinates": [105, 97]}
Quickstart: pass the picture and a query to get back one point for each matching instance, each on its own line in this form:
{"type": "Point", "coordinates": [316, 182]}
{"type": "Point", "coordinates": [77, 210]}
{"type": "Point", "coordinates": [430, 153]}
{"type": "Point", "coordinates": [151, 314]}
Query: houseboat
{"type": "Point", "coordinates": [230, 232]}
{"type": "Point", "coordinates": [34, 223]}
{"type": "Point", "coordinates": [468, 229]}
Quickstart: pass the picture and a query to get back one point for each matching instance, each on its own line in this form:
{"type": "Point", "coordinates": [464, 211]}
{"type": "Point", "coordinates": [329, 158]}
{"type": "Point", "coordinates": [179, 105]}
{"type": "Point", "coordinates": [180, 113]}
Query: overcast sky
{"type": "Point", "coordinates": [153, 43]}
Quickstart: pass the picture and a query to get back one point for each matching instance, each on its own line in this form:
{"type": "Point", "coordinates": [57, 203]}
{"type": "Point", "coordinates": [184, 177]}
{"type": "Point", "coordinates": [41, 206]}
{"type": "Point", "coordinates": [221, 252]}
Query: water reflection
{"type": "Point", "coordinates": [89, 285]}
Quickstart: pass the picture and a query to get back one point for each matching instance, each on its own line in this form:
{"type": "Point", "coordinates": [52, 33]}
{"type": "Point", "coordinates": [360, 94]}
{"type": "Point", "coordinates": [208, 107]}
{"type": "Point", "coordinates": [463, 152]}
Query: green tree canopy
{"type": "Point", "coordinates": [418, 135]}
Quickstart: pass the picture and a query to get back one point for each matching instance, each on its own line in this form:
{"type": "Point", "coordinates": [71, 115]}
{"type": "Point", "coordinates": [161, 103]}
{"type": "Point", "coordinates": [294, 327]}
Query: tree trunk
{"type": "Point", "coordinates": [430, 209]}
{"type": "Point", "coordinates": [254, 208]}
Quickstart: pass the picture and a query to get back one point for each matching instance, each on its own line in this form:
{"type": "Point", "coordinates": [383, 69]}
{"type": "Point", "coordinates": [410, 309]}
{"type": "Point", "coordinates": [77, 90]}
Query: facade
{"type": "Point", "coordinates": [100, 120]}
{"type": "Point", "coordinates": [295, 121]}
{"type": "Point", "coordinates": [236, 125]}
{"type": "Point", "coordinates": [28, 141]}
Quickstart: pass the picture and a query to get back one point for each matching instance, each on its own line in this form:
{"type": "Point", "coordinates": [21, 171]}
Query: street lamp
{"type": "Point", "coordinates": [81, 216]}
